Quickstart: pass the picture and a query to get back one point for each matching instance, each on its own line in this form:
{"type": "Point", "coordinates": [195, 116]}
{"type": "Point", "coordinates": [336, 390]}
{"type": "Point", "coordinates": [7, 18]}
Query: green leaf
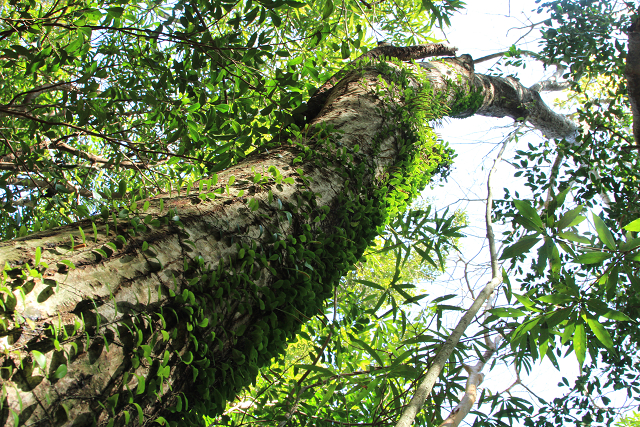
{"type": "Point", "coordinates": [327, 9]}
{"type": "Point", "coordinates": [60, 372]}
{"type": "Point", "coordinates": [574, 237]}
{"type": "Point", "coordinates": [328, 395]}
{"type": "Point", "coordinates": [371, 351]}
{"type": "Point", "coordinates": [568, 332]}
{"type": "Point", "coordinates": [122, 187]}
{"type": "Point", "coordinates": [570, 218]}
{"type": "Point", "coordinates": [113, 400]}
{"type": "Point", "coordinates": [75, 45]}
{"type": "Point", "coordinates": [68, 263]}
{"type": "Point", "coordinates": [370, 284]}
{"type": "Point", "coordinates": [344, 50]}
{"type": "Point", "coordinates": [591, 258]}
{"type": "Point", "coordinates": [315, 368]}
{"type": "Point", "coordinates": [604, 234]}
{"type": "Point", "coordinates": [141, 384]}
{"type": "Point", "coordinates": [580, 342]}
{"type": "Point", "coordinates": [520, 247]}
{"type": "Point", "coordinates": [507, 312]}
{"type": "Point", "coordinates": [101, 252]}
{"type": "Point", "coordinates": [602, 309]}
{"type": "Point", "coordinates": [40, 358]}
{"type": "Point", "coordinates": [275, 18]}
{"type": "Point", "coordinates": [425, 256]}
{"type": "Point", "coordinates": [253, 204]}
{"type": "Point", "coordinates": [600, 332]}
{"type": "Point", "coordinates": [556, 299]}
{"type": "Point", "coordinates": [240, 330]}
{"type": "Point", "coordinates": [630, 244]}
{"type": "Point", "coordinates": [140, 413]}
{"type": "Point", "coordinates": [633, 225]}
{"type": "Point", "coordinates": [612, 282]}
{"type": "Point", "coordinates": [527, 211]}
{"type": "Point", "coordinates": [526, 301]}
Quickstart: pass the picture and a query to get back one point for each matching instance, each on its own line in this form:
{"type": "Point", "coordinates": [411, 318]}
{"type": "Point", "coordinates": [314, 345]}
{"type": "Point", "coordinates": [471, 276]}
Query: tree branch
{"type": "Point", "coordinates": [44, 185]}
{"type": "Point", "coordinates": [426, 386]}
{"type": "Point", "coordinates": [552, 84]}
{"type": "Point", "coordinates": [503, 53]}
{"type": "Point", "coordinates": [632, 73]}
{"type": "Point", "coordinates": [30, 95]}
{"type": "Point", "coordinates": [318, 99]}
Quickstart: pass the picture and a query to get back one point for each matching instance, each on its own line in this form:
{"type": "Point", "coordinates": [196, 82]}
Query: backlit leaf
{"type": "Point", "coordinates": [520, 247]}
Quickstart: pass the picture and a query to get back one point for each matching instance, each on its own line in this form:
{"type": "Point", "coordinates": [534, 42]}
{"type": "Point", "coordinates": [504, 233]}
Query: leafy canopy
{"type": "Point", "coordinates": [107, 102]}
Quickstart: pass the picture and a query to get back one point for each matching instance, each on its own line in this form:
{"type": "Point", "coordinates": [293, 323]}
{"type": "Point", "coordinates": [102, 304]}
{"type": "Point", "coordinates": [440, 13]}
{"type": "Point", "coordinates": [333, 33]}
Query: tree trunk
{"type": "Point", "coordinates": [167, 309]}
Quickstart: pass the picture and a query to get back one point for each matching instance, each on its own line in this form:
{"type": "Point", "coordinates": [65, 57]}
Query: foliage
{"type": "Point", "coordinates": [410, 247]}
{"type": "Point", "coordinates": [629, 420]}
{"type": "Point", "coordinates": [573, 249]}
{"type": "Point", "coordinates": [109, 103]}
{"type": "Point", "coordinates": [112, 103]}
{"type": "Point", "coordinates": [198, 86]}
{"type": "Point", "coordinates": [373, 343]}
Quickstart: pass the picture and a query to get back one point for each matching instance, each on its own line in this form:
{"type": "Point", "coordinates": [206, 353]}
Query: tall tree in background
{"type": "Point", "coordinates": [174, 211]}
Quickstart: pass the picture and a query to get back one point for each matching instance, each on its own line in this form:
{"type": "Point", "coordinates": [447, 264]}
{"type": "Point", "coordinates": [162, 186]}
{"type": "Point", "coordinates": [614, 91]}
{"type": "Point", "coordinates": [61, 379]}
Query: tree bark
{"type": "Point", "coordinates": [632, 73]}
{"type": "Point", "coordinates": [176, 314]}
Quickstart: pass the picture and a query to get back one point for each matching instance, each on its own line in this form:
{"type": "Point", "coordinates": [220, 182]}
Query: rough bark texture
{"type": "Point", "coordinates": [121, 298]}
{"type": "Point", "coordinates": [462, 409]}
{"type": "Point", "coordinates": [408, 53]}
{"type": "Point", "coordinates": [632, 72]}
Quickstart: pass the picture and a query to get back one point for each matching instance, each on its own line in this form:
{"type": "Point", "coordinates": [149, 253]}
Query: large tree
{"type": "Point", "coordinates": [174, 211]}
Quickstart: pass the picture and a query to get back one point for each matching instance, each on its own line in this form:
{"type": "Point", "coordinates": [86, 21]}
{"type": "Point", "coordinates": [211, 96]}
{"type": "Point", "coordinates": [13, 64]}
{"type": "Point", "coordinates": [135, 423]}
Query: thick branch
{"type": "Point", "coordinates": [319, 99]}
{"type": "Point", "coordinates": [552, 84]}
{"type": "Point", "coordinates": [632, 72]}
{"type": "Point", "coordinates": [521, 103]}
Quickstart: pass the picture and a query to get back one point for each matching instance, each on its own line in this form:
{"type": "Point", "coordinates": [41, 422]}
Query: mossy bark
{"type": "Point", "coordinates": [174, 316]}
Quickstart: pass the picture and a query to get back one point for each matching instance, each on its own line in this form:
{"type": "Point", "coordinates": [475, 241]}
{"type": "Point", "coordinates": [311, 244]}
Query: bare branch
{"type": "Point", "coordinates": [504, 53]}
{"type": "Point", "coordinates": [426, 386]}
{"type": "Point", "coordinates": [96, 161]}
{"type": "Point", "coordinates": [552, 84]}
{"type": "Point", "coordinates": [44, 185]}
{"type": "Point", "coordinates": [32, 94]}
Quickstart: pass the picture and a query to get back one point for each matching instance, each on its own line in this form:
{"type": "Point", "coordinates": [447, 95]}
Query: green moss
{"type": "Point", "coordinates": [307, 264]}
{"type": "Point", "coordinates": [467, 101]}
